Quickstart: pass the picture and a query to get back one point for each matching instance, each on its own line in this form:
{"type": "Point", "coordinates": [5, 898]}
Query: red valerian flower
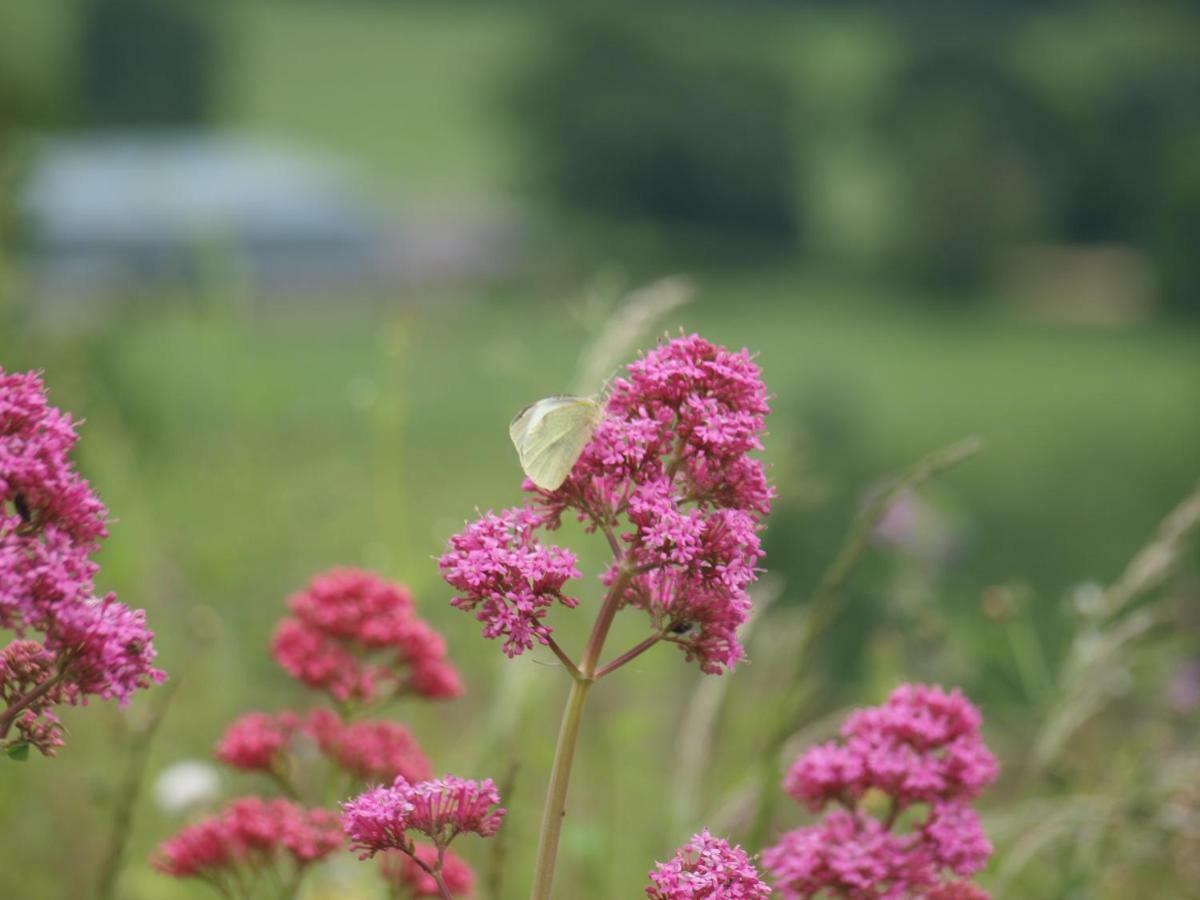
{"type": "Point", "coordinates": [50, 525]}
{"type": "Point", "coordinates": [707, 868]}
{"type": "Point", "coordinates": [669, 478]}
{"type": "Point", "coordinates": [441, 809]}
{"type": "Point", "coordinates": [372, 750]}
{"type": "Point", "coordinates": [248, 835]}
{"type": "Point", "coordinates": [921, 748]}
{"type": "Point", "coordinates": [255, 741]}
{"type": "Point", "coordinates": [358, 637]}
{"type": "Point", "coordinates": [507, 577]}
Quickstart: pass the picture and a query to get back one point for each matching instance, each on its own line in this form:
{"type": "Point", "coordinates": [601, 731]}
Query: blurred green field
{"type": "Point", "coordinates": [242, 448]}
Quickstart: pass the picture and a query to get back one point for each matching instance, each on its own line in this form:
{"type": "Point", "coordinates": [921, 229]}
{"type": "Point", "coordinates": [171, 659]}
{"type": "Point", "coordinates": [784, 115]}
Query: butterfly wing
{"type": "Point", "coordinates": [550, 435]}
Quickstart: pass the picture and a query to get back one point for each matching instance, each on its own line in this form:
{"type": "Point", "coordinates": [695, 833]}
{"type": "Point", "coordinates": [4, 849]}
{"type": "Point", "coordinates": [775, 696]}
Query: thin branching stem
{"type": "Point", "coordinates": [23, 703]}
{"type": "Point", "coordinates": [568, 737]}
{"type": "Point", "coordinates": [568, 663]}
{"type": "Point", "coordinates": [629, 655]}
{"type": "Point", "coordinates": [434, 873]}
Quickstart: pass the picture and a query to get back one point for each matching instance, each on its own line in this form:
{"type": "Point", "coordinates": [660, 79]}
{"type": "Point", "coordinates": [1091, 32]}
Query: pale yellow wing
{"type": "Point", "coordinates": [549, 436]}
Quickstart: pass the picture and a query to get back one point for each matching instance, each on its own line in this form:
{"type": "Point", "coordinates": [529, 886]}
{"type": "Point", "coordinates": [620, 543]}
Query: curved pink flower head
{"type": "Point", "coordinates": [847, 855]}
{"type": "Point", "coordinates": [922, 745]}
{"type": "Point", "coordinates": [50, 521]}
{"type": "Point", "coordinates": [50, 525]}
{"type": "Point", "coordinates": [377, 820]}
{"type": "Point", "coordinates": [358, 637]}
{"type": "Point", "coordinates": [105, 648]}
{"type": "Point", "coordinates": [440, 809]}
{"type": "Point", "coordinates": [921, 748]}
{"type": "Point", "coordinates": [255, 741]}
{"type": "Point", "coordinates": [671, 460]}
{"type": "Point", "coordinates": [249, 834]}
{"type": "Point", "coordinates": [507, 577]}
{"type": "Point", "coordinates": [707, 868]}
{"type": "Point", "coordinates": [371, 750]}
{"type": "Point", "coordinates": [953, 837]}
{"type": "Point", "coordinates": [400, 870]}
{"type": "Point", "coordinates": [42, 574]}
{"type": "Point", "coordinates": [38, 483]}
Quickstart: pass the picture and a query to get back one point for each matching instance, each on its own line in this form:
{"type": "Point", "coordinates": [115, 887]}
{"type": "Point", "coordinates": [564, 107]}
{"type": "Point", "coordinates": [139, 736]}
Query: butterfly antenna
{"type": "Point", "coordinates": [606, 388]}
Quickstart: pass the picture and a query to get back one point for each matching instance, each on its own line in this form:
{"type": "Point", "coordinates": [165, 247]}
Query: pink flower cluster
{"type": "Point", "coordinates": [507, 577]}
{"type": "Point", "coordinates": [921, 748]}
{"type": "Point", "coordinates": [250, 834]}
{"type": "Point", "coordinates": [440, 809]}
{"type": "Point", "coordinates": [707, 868]}
{"type": "Point", "coordinates": [50, 526]}
{"type": "Point", "coordinates": [358, 637]}
{"type": "Point", "coordinates": [411, 873]}
{"type": "Point", "coordinates": [669, 478]}
{"type": "Point", "coordinates": [36, 475]}
{"type": "Point", "coordinates": [105, 647]}
{"type": "Point", "coordinates": [369, 750]}
{"type": "Point", "coordinates": [256, 741]}
{"type": "Point", "coordinates": [345, 616]}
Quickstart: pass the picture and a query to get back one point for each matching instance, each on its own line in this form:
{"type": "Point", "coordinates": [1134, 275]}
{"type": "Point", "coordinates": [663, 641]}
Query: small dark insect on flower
{"type": "Point", "coordinates": [134, 647]}
{"type": "Point", "coordinates": [28, 524]}
{"type": "Point", "coordinates": [682, 627]}
{"type": "Point", "coordinates": [22, 507]}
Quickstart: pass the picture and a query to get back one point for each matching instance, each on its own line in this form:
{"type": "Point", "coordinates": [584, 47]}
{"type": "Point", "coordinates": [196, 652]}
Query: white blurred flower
{"type": "Point", "coordinates": [186, 784]}
{"type": "Point", "coordinates": [1087, 598]}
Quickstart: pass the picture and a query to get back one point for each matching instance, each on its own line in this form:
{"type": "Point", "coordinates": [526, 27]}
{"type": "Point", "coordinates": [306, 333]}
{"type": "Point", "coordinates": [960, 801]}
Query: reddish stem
{"type": "Point", "coordinates": [568, 663]}
{"type": "Point", "coordinates": [629, 655]}
{"type": "Point", "coordinates": [435, 874]}
{"type": "Point", "coordinates": [7, 717]}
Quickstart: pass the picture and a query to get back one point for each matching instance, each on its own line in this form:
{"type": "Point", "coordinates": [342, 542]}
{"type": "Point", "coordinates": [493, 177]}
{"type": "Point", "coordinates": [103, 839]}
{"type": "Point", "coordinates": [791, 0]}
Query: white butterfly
{"type": "Point", "coordinates": [550, 434]}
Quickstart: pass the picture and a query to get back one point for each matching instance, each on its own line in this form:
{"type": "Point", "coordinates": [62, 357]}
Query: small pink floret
{"type": "Point", "coordinates": [440, 809]}
{"type": "Point", "coordinates": [358, 637]}
{"type": "Point", "coordinates": [707, 868]}
{"type": "Point", "coordinates": [921, 749]}
{"type": "Point", "coordinates": [251, 833]}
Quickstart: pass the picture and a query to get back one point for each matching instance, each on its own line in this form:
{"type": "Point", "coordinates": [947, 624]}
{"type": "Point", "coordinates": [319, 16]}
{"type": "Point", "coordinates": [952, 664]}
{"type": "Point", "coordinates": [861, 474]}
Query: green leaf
{"type": "Point", "coordinates": [18, 751]}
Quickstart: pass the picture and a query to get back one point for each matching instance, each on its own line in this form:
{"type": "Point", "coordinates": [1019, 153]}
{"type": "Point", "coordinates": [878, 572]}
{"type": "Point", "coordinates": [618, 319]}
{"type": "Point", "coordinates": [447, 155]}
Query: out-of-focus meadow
{"type": "Point", "coordinates": [929, 220]}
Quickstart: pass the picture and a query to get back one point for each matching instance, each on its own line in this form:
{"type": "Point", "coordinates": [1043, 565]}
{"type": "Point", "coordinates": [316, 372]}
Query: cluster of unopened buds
{"type": "Point", "coordinates": [70, 643]}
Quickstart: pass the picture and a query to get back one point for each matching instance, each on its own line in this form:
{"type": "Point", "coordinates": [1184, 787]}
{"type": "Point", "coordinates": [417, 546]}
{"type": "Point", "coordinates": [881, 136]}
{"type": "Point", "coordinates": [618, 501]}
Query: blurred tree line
{"type": "Point", "coordinates": [919, 140]}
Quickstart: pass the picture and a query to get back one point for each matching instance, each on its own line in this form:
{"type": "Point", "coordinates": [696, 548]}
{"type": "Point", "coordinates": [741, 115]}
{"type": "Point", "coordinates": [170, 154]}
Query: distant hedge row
{"type": "Point", "coordinates": [976, 130]}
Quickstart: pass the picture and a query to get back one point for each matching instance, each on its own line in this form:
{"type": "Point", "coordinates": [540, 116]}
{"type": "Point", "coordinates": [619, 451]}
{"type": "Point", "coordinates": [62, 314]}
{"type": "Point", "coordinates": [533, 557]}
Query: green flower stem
{"type": "Point", "coordinates": [568, 737]}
